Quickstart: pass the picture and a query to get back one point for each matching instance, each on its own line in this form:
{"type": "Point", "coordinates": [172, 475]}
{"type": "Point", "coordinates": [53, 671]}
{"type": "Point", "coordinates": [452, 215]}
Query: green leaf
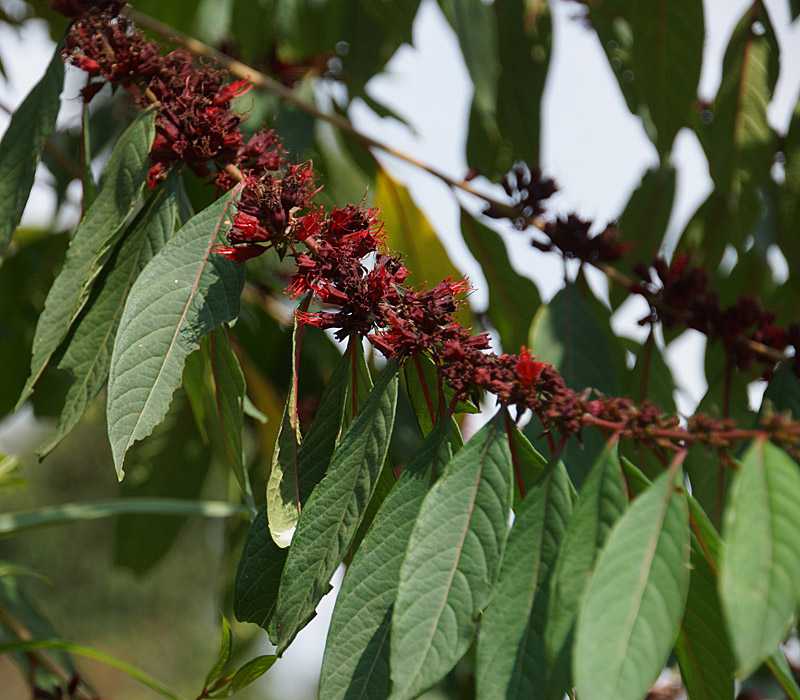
{"type": "Point", "coordinates": [225, 648]}
{"type": "Point", "coordinates": [252, 671]}
{"type": "Point", "coordinates": [261, 565]}
{"type": "Point", "coordinates": [511, 660]}
{"type": "Point", "coordinates": [601, 503]}
{"type": "Point", "coordinates": [215, 385]}
{"type": "Point", "coordinates": [172, 463]}
{"type": "Point", "coordinates": [561, 332]}
{"type": "Point", "coordinates": [17, 521]}
{"type": "Point", "coordinates": [451, 563]}
{"type": "Point", "coordinates": [283, 489]}
{"type": "Point", "coordinates": [760, 562]}
{"type": "Point", "coordinates": [88, 652]}
{"type": "Point", "coordinates": [89, 344]}
{"type": "Point", "coordinates": [497, 138]}
{"type": "Point", "coordinates": [783, 674]}
{"type": "Point", "coordinates": [94, 240]}
{"type": "Point", "coordinates": [702, 648]}
{"type": "Point", "coordinates": [528, 464]}
{"type": "Point", "coordinates": [356, 658]}
{"type": "Point", "coordinates": [258, 575]}
{"type": "Point", "coordinates": [667, 55]}
{"type": "Point", "coordinates": [423, 385]}
{"type": "Point", "coordinates": [408, 229]}
{"type": "Point", "coordinates": [330, 518]}
{"type": "Point", "coordinates": [632, 607]}
{"type": "Point", "coordinates": [474, 23]}
{"type": "Point", "coordinates": [184, 292]}
{"type": "Point", "coordinates": [644, 222]}
{"type": "Point", "coordinates": [513, 299]}
{"type": "Point", "coordinates": [739, 143]}
{"type": "Point", "coordinates": [20, 149]}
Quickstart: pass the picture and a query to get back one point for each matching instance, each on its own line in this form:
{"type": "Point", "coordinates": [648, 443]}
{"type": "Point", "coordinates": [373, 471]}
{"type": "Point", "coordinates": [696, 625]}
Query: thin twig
{"type": "Point", "coordinates": [16, 628]}
{"type": "Point", "coordinates": [265, 82]}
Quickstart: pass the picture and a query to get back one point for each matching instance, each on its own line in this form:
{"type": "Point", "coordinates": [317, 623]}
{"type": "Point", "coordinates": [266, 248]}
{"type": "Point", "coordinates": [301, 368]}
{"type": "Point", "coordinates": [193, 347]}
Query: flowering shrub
{"type": "Point", "coordinates": [615, 559]}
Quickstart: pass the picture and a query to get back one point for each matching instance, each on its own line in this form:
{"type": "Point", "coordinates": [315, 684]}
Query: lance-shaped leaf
{"type": "Point", "coordinates": [258, 575]}
{"type": "Point", "coordinates": [261, 565]}
{"type": "Point", "coordinates": [601, 503]}
{"type": "Point", "coordinates": [451, 562]}
{"type": "Point", "coordinates": [513, 299]}
{"type": "Point", "coordinates": [633, 604]}
{"type": "Point", "coordinates": [30, 126]}
{"type": "Point", "coordinates": [511, 660]}
{"type": "Point", "coordinates": [94, 240]}
{"type": "Point", "coordinates": [183, 293]}
{"type": "Point", "coordinates": [356, 662]}
{"type": "Point", "coordinates": [760, 566]}
{"type": "Point", "coordinates": [283, 485]}
{"type": "Point", "coordinates": [214, 383]}
{"type": "Point", "coordinates": [702, 648]}
{"type": "Point", "coordinates": [89, 344]}
{"type": "Point", "coordinates": [667, 54]}
{"type": "Point", "coordinates": [330, 518]}
{"type": "Point", "coordinates": [739, 142]}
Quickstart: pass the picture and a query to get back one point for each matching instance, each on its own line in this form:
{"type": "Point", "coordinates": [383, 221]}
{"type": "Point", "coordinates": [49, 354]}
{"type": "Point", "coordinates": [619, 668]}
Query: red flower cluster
{"type": "Point", "coordinates": [571, 237]}
{"type": "Point", "coordinates": [527, 189]}
{"type": "Point", "coordinates": [681, 296]}
{"type": "Point", "coordinates": [195, 125]}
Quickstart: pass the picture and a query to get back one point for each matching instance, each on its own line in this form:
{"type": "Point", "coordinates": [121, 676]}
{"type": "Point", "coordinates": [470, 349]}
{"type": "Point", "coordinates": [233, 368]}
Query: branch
{"type": "Point", "coordinates": [16, 628]}
{"type": "Point", "coordinates": [268, 84]}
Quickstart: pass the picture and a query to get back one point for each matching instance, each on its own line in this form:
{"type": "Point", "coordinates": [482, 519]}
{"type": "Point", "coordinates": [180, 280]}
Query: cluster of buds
{"type": "Point", "coordinates": [680, 296]}
{"type": "Point", "coordinates": [341, 256]}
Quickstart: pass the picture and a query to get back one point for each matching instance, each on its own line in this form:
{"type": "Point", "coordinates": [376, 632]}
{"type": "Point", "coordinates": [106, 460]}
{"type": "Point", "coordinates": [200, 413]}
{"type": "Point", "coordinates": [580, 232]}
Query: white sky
{"type": "Point", "coordinates": [592, 145]}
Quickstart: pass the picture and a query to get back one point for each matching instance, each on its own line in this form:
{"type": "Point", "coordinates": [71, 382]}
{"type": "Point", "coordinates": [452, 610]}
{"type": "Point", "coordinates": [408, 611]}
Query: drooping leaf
{"type": "Point", "coordinates": [184, 292]}
{"type": "Point", "coordinates": [511, 131]}
{"type": "Point", "coordinates": [511, 659]}
{"type": "Point", "coordinates": [90, 341]}
{"type": "Point", "coordinates": [451, 562]}
{"type": "Point", "coordinates": [356, 661]}
{"type": "Point", "coordinates": [215, 384]}
{"type": "Point", "coordinates": [283, 488]}
{"type": "Point", "coordinates": [258, 575]}
{"type": "Point", "coordinates": [667, 55]}
{"type": "Point", "coordinates": [93, 242]}
{"type": "Point", "coordinates": [601, 503]}
{"type": "Point", "coordinates": [330, 518]}
{"type": "Point", "coordinates": [560, 334]}
{"type": "Point", "coordinates": [760, 563]}
{"type": "Point", "coordinates": [30, 126]}
{"type": "Point", "coordinates": [408, 229]}
{"type": "Point", "coordinates": [27, 273]}
{"type": "Point", "coordinates": [513, 299]}
{"type": "Point", "coordinates": [739, 142]}
{"type": "Point", "coordinates": [702, 648]}
{"type": "Point", "coordinates": [171, 463]}
{"type": "Point", "coordinates": [260, 567]}
{"type": "Point", "coordinates": [644, 222]}
{"type": "Point", "coordinates": [632, 607]}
